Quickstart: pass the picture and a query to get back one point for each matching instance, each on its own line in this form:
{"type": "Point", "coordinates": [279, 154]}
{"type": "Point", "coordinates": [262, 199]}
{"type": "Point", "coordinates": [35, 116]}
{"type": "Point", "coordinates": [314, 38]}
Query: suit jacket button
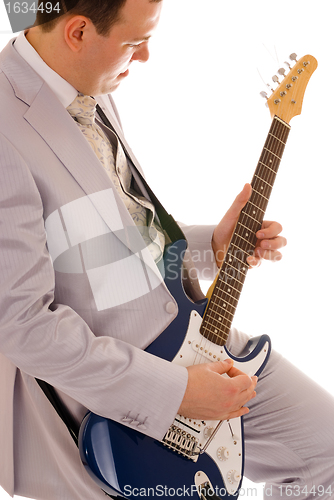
{"type": "Point", "coordinates": [142, 427]}
{"type": "Point", "coordinates": [170, 307]}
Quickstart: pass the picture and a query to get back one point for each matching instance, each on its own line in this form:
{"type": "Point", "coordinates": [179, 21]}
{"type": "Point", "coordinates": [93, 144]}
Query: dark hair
{"type": "Point", "coordinates": [103, 13]}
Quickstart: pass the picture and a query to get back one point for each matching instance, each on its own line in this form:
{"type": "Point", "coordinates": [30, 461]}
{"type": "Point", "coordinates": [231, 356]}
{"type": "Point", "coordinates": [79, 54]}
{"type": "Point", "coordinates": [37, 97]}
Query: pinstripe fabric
{"type": "Point", "coordinates": [61, 321]}
{"type": "Point", "coordinates": [289, 432]}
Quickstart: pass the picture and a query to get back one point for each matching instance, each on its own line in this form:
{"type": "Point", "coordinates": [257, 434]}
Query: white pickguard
{"type": "Point", "coordinates": [226, 447]}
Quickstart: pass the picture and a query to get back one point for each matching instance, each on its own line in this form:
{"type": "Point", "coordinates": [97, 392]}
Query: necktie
{"type": "Point", "coordinates": [114, 161]}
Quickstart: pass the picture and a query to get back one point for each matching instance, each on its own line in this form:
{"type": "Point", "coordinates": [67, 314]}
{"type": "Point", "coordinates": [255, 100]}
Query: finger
{"type": "Point", "coordinates": [234, 372]}
{"type": "Point", "coordinates": [239, 203]}
{"type": "Point", "coordinates": [221, 366]}
{"type": "Point", "coordinates": [269, 229]}
{"type": "Point", "coordinates": [268, 250]}
{"type": "Point", "coordinates": [244, 383]}
{"type": "Point", "coordinates": [272, 255]}
{"type": "Point", "coordinates": [238, 413]}
{"type": "Point", "coordinates": [273, 243]}
{"type": "Point", "coordinates": [241, 408]}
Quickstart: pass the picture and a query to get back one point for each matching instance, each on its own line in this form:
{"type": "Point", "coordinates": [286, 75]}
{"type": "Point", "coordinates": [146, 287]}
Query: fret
{"type": "Point", "coordinates": [270, 185]}
{"type": "Point", "coordinates": [225, 297]}
{"type": "Point", "coordinates": [234, 279]}
{"type": "Point", "coordinates": [221, 341]}
{"type": "Point", "coordinates": [220, 322]}
{"type": "Point", "coordinates": [248, 215]}
{"type": "Point", "coordinates": [214, 331]}
{"type": "Point", "coordinates": [219, 318]}
{"type": "Point", "coordinates": [241, 224]}
{"type": "Point", "coordinates": [254, 205]}
{"type": "Point", "coordinates": [220, 331]}
{"type": "Point", "coordinates": [268, 167]}
{"type": "Point", "coordinates": [238, 270]}
{"type": "Point", "coordinates": [233, 257]}
{"type": "Point", "coordinates": [221, 314]}
{"type": "Point", "coordinates": [229, 290]}
{"type": "Point", "coordinates": [260, 194]}
{"type": "Point", "coordinates": [272, 153]}
{"type": "Point", "coordinates": [247, 241]}
{"type": "Point", "coordinates": [237, 258]}
{"type": "Point", "coordinates": [236, 246]}
{"type": "Point", "coordinates": [272, 135]}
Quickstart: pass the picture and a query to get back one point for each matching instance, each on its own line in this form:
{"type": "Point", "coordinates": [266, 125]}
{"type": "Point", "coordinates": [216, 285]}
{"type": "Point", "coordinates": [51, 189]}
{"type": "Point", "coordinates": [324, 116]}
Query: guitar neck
{"type": "Point", "coordinates": [222, 305]}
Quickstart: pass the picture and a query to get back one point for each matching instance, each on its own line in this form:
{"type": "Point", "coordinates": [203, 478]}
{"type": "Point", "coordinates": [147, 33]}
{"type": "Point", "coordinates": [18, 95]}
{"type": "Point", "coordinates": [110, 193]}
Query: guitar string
{"type": "Point", "coordinates": [273, 144]}
{"type": "Point", "coordinates": [217, 315]}
{"type": "Point", "coordinates": [270, 145]}
{"type": "Point", "coordinates": [273, 148]}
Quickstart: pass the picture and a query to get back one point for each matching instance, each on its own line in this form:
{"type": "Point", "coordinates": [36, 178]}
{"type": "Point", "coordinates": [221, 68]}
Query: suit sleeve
{"type": "Point", "coordinates": [51, 341]}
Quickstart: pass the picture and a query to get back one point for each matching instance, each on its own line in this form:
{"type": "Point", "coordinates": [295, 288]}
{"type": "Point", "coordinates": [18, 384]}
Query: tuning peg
{"type": "Point", "coordinates": [265, 96]}
{"type": "Point", "coordinates": [287, 64]}
{"type": "Point", "coordinates": [293, 57]}
{"type": "Point", "coordinates": [276, 79]}
{"type": "Point", "coordinates": [281, 71]}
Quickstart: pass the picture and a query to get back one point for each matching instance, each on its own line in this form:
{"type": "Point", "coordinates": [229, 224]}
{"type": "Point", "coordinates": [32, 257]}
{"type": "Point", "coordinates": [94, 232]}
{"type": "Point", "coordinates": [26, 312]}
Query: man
{"type": "Point", "coordinates": [81, 263]}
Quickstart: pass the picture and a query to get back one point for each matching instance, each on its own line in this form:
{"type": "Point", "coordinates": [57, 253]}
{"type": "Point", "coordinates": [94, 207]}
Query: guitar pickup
{"type": "Point", "coordinates": [208, 350]}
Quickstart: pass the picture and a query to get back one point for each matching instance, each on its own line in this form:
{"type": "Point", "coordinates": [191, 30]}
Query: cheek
{"type": "Point", "coordinates": [117, 65]}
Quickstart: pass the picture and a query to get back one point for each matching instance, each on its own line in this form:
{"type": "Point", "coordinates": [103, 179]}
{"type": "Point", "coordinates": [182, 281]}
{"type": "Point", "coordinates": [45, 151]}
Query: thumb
{"type": "Point", "coordinates": [221, 366]}
{"type": "Point", "coordinates": [240, 201]}
{"type": "Point", "coordinates": [223, 232]}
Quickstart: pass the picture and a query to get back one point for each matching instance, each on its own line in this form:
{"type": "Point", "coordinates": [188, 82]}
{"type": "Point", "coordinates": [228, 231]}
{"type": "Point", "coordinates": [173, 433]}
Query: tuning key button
{"type": "Point", "coordinates": [275, 79]}
{"type": "Point", "coordinates": [264, 94]}
{"type": "Point", "coordinates": [281, 71]}
{"type": "Point", "coordinates": [293, 57]}
{"type": "Point", "coordinates": [223, 453]}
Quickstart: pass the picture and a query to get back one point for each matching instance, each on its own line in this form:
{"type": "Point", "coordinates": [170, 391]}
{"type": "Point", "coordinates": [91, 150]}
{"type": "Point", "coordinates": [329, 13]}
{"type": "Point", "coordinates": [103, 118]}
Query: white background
{"type": "Point", "coordinates": [196, 122]}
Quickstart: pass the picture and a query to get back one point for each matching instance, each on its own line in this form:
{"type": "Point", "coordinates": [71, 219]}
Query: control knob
{"type": "Point", "coordinates": [233, 476]}
{"type": "Point", "coordinates": [223, 453]}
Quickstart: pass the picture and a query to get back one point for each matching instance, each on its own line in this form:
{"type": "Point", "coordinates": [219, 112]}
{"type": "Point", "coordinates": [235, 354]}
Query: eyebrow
{"type": "Point", "coordinates": [143, 39]}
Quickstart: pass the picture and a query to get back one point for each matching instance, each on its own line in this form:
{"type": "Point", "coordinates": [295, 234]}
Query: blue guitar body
{"type": "Point", "coordinates": [125, 462]}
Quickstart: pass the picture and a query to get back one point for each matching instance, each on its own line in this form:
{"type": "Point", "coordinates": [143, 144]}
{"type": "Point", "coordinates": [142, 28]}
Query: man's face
{"type": "Point", "coordinates": [108, 58]}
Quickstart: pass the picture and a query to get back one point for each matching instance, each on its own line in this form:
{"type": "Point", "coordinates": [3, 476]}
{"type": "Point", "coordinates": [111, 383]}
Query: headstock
{"type": "Point", "coordinates": [287, 99]}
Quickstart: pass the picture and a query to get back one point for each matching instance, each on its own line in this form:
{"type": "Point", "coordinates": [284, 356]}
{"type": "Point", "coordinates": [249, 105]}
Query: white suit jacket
{"type": "Point", "coordinates": [80, 295]}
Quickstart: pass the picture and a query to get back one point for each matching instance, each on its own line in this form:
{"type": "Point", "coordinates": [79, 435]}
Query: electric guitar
{"type": "Point", "coordinates": [199, 457]}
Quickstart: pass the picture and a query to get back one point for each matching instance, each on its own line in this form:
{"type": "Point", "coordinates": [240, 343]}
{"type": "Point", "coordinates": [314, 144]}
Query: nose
{"type": "Point", "coordinates": [142, 53]}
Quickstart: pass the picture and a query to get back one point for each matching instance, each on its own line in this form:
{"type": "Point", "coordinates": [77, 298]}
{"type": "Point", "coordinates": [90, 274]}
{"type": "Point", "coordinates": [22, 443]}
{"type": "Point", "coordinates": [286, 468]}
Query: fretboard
{"type": "Point", "coordinates": [220, 311]}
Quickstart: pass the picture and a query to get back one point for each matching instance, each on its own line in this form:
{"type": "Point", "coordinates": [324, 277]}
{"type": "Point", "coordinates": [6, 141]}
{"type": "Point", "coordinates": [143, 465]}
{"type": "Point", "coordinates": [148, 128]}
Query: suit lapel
{"type": "Point", "coordinates": [58, 129]}
{"type": "Point", "coordinates": [55, 125]}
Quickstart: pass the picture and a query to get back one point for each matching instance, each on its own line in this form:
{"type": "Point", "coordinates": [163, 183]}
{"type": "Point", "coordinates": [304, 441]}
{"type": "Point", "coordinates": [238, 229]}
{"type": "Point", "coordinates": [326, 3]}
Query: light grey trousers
{"type": "Point", "coordinates": [289, 433]}
{"type": "Point", "coordinates": [289, 440]}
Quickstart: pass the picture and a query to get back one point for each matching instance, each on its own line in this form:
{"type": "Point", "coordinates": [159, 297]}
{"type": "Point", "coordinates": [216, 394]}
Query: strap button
{"type": "Point", "coordinates": [170, 307]}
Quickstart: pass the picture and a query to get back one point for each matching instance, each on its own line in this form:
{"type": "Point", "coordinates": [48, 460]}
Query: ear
{"type": "Point", "coordinates": [74, 32]}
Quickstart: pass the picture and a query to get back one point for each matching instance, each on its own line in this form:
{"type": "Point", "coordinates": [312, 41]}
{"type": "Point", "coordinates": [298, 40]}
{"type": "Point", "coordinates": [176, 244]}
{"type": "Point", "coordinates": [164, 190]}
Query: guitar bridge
{"type": "Point", "coordinates": [182, 443]}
